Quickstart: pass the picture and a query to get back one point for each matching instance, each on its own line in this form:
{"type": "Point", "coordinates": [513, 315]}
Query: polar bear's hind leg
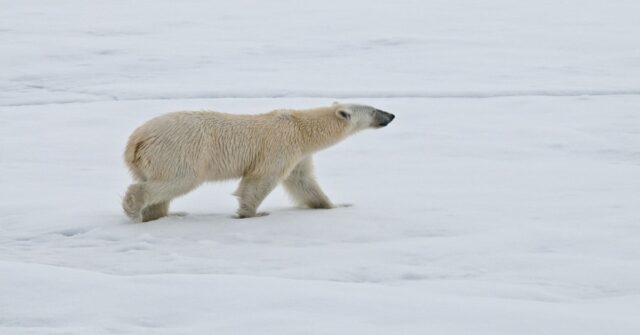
{"type": "Point", "coordinates": [155, 211]}
{"type": "Point", "coordinates": [149, 200]}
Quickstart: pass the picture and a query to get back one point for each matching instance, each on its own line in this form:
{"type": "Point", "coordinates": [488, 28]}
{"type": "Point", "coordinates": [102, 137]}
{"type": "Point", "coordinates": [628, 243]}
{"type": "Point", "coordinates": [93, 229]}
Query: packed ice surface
{"type": "Point", "coordinates": [495, 216]}
{"type": "Point", "coordinates": [64, 51]}
{"type": "Point", "coordinates": [503, 199]}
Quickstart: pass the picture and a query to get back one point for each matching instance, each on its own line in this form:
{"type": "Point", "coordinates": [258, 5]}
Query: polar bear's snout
{"type": "Point", "coordinates": [382, 118]}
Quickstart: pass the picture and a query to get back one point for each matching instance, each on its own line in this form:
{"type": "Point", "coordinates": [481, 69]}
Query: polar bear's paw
{"type": "Point", "coordinates": [133, 202]}
{"type": "Point", "coordinates": [242, 215]}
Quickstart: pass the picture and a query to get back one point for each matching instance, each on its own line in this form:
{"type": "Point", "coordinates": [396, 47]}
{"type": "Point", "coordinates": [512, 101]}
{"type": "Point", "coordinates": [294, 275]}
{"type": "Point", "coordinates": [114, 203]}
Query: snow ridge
{"type": "Point", "coordinates": [96, 97]}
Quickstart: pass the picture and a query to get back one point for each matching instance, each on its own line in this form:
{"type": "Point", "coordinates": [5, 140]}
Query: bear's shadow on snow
{"type": "Point", "coordinates": [282, 213]}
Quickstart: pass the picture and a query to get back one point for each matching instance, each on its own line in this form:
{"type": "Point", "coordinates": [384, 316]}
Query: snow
{"type": "Point", "coordinates": [76, 50]}
{"type": "Point", "coordinates": [503, 199]}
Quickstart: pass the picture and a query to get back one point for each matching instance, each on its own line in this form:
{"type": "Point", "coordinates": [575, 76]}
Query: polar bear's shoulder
{"type": "Point", "coordinates": [280, 114]}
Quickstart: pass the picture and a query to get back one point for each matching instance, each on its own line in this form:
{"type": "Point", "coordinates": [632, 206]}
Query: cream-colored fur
{"type": "Point", "coordinates": [172, 154]}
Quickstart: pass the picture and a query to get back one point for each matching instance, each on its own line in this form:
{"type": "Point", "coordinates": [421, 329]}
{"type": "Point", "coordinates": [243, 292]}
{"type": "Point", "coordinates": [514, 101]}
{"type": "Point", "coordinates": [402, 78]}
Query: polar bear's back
{"type": "Point", "coordinates": [208, 145]}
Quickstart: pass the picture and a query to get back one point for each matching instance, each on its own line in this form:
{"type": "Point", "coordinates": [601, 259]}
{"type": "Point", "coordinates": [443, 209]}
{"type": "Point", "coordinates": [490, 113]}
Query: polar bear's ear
{"type": "Point", "coordinates": [344, 114]}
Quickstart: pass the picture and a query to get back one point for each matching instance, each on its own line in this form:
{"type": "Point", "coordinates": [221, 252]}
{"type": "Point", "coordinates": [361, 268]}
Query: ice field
{"type": "Point", "coordinates": [503, 199]}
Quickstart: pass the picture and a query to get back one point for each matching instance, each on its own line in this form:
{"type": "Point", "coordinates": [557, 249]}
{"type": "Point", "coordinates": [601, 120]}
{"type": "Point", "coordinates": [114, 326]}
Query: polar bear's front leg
{"type": "Point", "coordinates": [303, 187]}
{"type": "Point", "coordinates": [251, 193]}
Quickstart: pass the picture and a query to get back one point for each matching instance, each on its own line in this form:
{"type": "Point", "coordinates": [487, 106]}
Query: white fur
{"type": "Point", "coordinates": [173, 154]}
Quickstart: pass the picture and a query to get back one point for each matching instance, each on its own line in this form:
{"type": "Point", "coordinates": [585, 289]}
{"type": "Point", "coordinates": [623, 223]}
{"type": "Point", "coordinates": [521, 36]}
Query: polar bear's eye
{"type": "Point", "coordinates": [345, 115]}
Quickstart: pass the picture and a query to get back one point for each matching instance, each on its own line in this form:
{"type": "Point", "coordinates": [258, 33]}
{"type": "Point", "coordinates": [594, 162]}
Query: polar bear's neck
{"type": "Point", "coordinates": [319, 128]}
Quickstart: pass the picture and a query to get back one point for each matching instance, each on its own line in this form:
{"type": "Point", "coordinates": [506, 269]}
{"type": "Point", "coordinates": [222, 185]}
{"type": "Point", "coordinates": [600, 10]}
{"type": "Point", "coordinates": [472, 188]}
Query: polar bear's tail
{"type": "Point", "coordinates": [132, 156]}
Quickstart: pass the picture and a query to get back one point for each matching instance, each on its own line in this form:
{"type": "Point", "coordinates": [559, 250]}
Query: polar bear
{"type": "Point", "coordinates": [173, 154]}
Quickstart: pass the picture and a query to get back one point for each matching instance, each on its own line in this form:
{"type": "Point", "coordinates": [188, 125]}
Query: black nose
{"type": "Point", "coordinates": [383, 118]}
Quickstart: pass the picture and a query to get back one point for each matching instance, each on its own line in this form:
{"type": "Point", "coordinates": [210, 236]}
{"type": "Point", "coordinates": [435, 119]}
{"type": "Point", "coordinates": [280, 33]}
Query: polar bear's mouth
{"type": "Point", "coordinates": [382, 118]}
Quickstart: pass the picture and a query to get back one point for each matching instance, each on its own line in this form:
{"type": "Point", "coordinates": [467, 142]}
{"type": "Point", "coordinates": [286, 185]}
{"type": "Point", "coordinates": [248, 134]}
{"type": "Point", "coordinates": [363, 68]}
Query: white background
{"type": "Point", "coordinates": [503, 199]}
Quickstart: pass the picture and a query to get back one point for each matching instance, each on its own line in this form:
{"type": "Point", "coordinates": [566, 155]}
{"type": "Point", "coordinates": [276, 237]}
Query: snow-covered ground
{"type": "Point", "coordinates": [77, 50]}
{"type": "Point", "coordinates": [510, 215]}
{"type": "Point", "coordinates": [504, 198]}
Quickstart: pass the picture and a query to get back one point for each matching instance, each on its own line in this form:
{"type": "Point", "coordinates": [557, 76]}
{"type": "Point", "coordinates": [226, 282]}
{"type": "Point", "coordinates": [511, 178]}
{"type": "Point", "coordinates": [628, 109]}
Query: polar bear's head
{"type": "Point", "coordinates": [362, 117]}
